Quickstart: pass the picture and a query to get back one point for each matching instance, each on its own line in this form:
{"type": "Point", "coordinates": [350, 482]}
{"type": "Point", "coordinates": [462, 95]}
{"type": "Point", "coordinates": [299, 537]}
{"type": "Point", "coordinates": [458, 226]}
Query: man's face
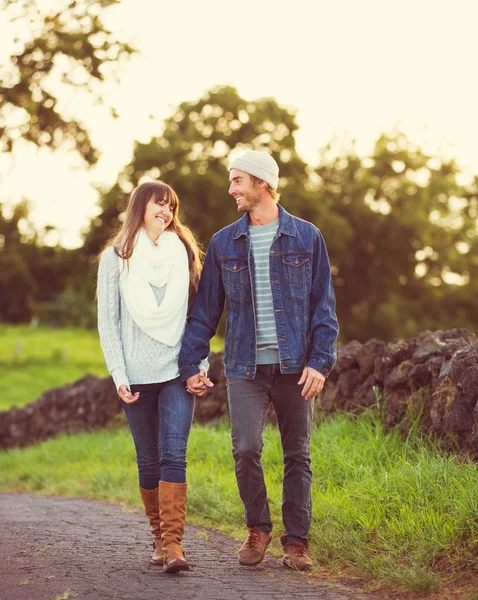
{"type": "Point", "coordinates": [242, 187]}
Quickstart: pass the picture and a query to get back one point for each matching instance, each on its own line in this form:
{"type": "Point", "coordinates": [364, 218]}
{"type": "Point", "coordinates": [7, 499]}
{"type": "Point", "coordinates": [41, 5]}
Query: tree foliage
{"type": "Point", "coordinates": [71, 47]}
{"type": "Point", "coordinates": [411, 228]}
{"type": "Point", "coordinates": [400, 226]}
{"type": "Point", "coordinates": [191, 154]}
{"type": "Point", "coordinates": [30, 273]}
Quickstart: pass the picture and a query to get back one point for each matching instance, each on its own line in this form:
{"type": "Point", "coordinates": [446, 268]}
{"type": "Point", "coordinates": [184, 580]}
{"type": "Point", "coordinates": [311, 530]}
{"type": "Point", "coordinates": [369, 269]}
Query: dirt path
{"type": "Point", "coordinates": [59, 548]}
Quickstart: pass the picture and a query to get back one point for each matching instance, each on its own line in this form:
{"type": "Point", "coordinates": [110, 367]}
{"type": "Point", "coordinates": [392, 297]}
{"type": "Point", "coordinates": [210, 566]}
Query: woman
{"type": "Point", "coordinates": [146, 276]}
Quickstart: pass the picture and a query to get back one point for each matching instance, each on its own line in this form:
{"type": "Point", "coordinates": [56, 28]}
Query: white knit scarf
{"type": "Point", "coordinates": [165, 264]}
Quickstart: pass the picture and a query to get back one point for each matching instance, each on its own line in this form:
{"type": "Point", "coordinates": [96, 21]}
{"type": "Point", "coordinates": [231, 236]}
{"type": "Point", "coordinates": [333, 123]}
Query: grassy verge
{"type": "Point", "coordinates": [33, 360]}
{"type": "Point", "coordinates": [403, 513]}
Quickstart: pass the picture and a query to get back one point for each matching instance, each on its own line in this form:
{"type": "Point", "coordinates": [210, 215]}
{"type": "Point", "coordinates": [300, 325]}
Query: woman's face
{"type": "Point", "coordinates": [157, 216]}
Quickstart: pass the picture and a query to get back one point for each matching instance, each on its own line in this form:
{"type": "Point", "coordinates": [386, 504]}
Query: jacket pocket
{"type": "Point", "coordinates": [296, 268]}
{"type": "Point", "coordinates": [235, 274]}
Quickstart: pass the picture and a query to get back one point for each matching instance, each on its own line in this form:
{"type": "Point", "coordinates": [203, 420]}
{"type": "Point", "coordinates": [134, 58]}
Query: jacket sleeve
{"type": "Point", "coordinates": [109, 317]}
{"type": "Point", "coordinates": [204, 315]}
{"type": "Point", "coordinates": [324, 327]}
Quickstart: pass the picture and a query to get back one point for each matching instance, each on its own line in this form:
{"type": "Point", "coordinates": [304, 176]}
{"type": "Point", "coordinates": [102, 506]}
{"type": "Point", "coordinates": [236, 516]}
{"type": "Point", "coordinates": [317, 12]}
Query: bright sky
{"type": "Point", "coordinates": [348, 67]}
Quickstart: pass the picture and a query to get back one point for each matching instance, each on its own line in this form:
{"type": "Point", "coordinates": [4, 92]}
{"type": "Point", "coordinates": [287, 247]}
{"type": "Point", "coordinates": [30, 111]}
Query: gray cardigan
{"type": "Point", "coordinates": [130, 354]}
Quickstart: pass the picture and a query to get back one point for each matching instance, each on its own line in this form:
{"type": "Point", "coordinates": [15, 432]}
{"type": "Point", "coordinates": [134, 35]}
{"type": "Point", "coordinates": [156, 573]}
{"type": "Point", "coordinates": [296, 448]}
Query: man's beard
{"type": "Point", "coordinates": [249, 204]}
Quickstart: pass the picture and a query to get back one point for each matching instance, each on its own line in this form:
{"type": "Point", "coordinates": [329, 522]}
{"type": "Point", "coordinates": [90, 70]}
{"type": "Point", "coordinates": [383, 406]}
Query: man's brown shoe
{"type": "Point", "coordinates": [253, 549]}
{"type": "Point", "coordinates": [295, 557]}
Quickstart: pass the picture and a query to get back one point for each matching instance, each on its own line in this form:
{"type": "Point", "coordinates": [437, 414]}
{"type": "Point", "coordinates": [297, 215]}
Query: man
{"type": "Point", "coordinates": [272, 271]}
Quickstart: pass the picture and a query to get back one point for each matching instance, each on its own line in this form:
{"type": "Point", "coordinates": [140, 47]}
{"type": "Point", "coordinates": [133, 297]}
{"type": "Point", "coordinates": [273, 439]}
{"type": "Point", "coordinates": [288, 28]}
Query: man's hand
{"type": "Point", "coordinates": [125, 394]}
{"type": "Point", "coordinates": [314, 382]}
{"type": "Point", "coordinates": [198, 384]}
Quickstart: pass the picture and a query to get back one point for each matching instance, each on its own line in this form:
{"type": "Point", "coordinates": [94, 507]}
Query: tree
{"type": "Point", "coordinates": [411, 228]}
{"type": "Point", "coordinates": [16, 281]}
{"type": "Point", "coordinates": [191, 154]}
{"type": "Point", "coordinates": [400, 225]}
{"type": "Point", "coordinates": [31, 274]}
{"type": "Point", "coordinates": [71, 47]}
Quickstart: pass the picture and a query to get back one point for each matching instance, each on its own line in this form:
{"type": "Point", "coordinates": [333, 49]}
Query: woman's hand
{"type": "Point", "coordinates": [197, 384]}
{"type": "Point", "coordinates": [125, 394]}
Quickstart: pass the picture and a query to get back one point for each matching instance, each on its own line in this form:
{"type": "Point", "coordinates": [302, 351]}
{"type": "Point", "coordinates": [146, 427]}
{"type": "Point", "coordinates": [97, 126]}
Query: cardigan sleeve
{"type": "Point", "coordinates": [109, 317]}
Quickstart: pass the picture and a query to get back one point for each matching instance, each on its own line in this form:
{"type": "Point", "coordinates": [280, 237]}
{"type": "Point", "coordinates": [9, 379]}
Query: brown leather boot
{"type": "Point", "coordinates": [151, 506]}
{"type": "Point", "coordinates": [173, 517]}
{"type": "Point", "coordinates": [253, 549]}
{"type": "Point", "coordinates": [295, 557]}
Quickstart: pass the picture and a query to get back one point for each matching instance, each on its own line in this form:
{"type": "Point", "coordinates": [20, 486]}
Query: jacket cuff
{"type": "Point", "coordinates": [320, 366]}
{"type": "Point", "coordinates": [188, 371]}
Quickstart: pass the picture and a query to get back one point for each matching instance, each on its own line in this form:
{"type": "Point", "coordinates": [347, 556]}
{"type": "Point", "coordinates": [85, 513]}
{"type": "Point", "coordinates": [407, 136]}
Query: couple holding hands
{"type": "Point", "coordinates": [158, 309]}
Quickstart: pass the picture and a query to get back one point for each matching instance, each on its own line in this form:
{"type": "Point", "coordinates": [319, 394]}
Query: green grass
{"type": "Point", "coordinates": [381, 507]}
{"type": "Point", "coordinates": [33, 360]}
{"type": "Point", "coordinates": [402, 512]}
{"type": "Point", "coordinates": [36, 359]}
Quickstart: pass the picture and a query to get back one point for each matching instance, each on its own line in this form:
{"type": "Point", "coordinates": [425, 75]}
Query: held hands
{"type": "Point", "coordinates": [198, 384]}
{"type": "Point", "coordinates": [314, 382]}
{"type": "Point", "coordinates": [125, 394]}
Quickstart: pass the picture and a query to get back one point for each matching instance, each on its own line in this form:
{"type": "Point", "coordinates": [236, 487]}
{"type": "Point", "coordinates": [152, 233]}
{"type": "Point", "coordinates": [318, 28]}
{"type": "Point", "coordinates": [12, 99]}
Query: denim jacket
{"type": "Point", "coordinates": [302, 294]}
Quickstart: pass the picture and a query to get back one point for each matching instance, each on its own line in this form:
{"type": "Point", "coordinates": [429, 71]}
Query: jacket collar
{"type": "Point", "coordinates": [286, 224]}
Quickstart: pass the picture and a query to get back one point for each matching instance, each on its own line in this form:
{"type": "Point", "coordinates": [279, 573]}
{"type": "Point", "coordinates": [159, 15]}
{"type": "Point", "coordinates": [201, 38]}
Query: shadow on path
{"type": "Point", "coordinates": [54, 548]}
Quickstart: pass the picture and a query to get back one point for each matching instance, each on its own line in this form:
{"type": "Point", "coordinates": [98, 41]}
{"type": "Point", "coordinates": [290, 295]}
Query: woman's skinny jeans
{"type": "Point", "coordinates": [160, 422]}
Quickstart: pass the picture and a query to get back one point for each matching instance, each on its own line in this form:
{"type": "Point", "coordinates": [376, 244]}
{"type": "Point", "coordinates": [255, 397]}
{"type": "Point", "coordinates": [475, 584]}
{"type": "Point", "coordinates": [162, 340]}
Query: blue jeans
{"type": "Point", "coordinates": [248, 403]}
{"type": "Point", "coordinates": [160, 422]}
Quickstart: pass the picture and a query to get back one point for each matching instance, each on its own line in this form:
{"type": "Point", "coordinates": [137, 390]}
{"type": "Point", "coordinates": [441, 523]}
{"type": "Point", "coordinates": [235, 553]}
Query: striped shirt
{"type": "Point", "coordinates": [261, 241]}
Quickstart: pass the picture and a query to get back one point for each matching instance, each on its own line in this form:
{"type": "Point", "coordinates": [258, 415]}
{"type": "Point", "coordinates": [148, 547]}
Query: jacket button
{"type": "Point", "coordinates": [248, 373]}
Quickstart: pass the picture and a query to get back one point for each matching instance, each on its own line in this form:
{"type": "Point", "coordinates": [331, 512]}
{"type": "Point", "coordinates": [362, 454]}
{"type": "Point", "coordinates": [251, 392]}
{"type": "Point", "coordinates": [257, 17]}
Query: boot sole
{"type": "Point", "coordinates": [175, 567]}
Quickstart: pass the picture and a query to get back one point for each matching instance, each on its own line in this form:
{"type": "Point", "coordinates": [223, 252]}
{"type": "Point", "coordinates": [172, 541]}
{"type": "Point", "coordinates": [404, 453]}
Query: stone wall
{"type": "Point", "coordinates": [86, 404]}
{"type": "Point", "coordinates": [433, 376]}
{"type": "Point", "coordinates": [91, 403]}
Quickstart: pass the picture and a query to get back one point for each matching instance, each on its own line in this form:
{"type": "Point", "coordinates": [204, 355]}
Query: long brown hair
{"type": "Point", "coordinates": [123, 241]}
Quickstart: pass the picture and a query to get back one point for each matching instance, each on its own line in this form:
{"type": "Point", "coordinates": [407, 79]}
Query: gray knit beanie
{"type": "Point", "coordinates": [260, 164]}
